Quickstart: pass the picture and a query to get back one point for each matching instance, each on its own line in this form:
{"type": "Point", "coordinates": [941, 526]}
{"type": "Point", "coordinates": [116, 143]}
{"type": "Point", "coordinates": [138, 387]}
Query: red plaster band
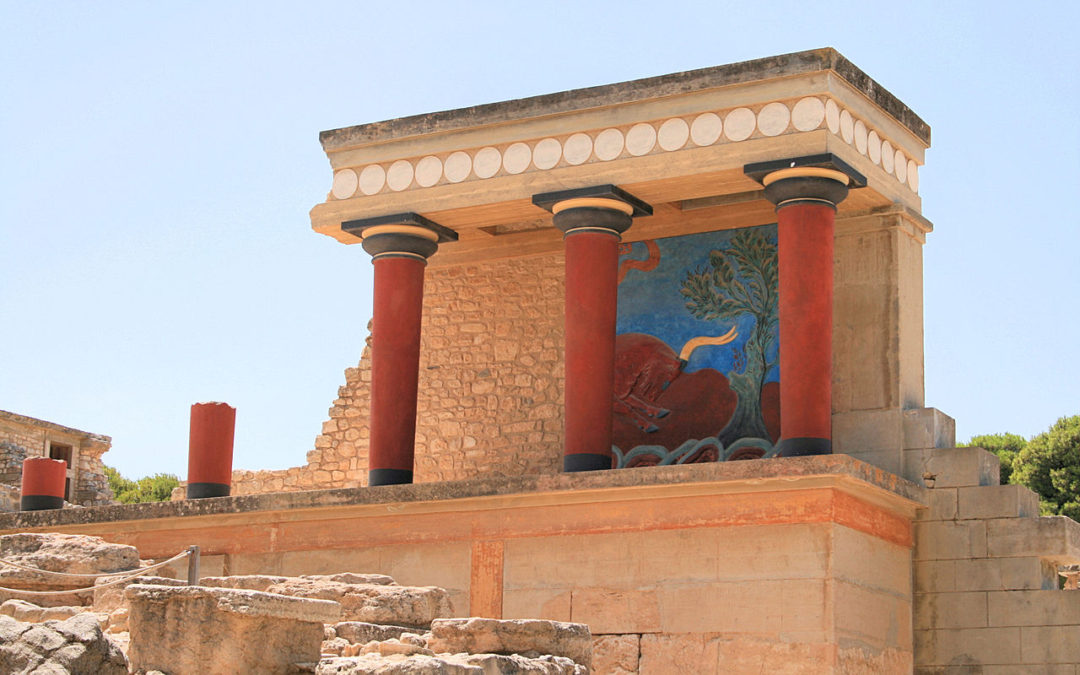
{"type": "Point", "coordinates": [210, 443]}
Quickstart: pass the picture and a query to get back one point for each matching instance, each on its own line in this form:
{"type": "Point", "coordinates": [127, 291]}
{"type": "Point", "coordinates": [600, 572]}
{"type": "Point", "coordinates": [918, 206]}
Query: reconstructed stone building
{"type": "Point", "coordinates": [22, 437]}
{"type": "Point", "coordinates": [588, 305]}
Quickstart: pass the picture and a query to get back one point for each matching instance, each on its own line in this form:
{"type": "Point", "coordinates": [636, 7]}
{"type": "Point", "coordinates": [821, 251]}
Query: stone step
{"type": "Point", "coordinates": [952, 467]}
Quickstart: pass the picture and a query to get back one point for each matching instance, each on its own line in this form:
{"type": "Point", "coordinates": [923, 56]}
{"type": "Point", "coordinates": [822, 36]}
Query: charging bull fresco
{"type": "Point", "coordinates": [697, 349]}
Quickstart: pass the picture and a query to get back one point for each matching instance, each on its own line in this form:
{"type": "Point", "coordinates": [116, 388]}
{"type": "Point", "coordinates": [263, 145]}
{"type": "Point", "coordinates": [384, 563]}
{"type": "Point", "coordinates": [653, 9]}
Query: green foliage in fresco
{"type": "Point", "coordinates": [741, 280]}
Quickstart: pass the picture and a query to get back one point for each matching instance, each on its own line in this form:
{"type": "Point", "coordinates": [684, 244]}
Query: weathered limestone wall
{"type": "Point", "coordinates": [22, 437]}
{"type": "Point", "coordinates": [986, 574]}
{"type": "Point", "coordinates": [798, 565]}
{"type": "Point", "coordinates": [491, 380]}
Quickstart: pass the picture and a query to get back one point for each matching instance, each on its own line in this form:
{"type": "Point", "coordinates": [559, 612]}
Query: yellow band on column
{"type": "Point", "coordinates": [593, 203]}
{"type": "Point", "coordinates": [410, 230]}
{"type": "Point", "coordinates": [805, 172]}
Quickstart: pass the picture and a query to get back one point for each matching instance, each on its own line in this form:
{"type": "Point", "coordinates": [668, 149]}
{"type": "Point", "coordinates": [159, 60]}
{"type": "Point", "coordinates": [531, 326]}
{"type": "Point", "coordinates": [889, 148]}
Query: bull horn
{"type": "Point", "coordinates": [703, 340]}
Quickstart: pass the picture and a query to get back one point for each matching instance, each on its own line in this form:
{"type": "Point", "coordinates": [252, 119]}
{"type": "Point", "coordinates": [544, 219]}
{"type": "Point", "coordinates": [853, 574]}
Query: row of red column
{"type": "Point", "coordinates": [805, 191]}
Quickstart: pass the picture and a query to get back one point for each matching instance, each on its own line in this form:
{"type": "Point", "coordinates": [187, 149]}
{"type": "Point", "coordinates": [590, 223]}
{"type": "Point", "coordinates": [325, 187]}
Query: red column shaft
{"type": "Point", "coordinates": [805, 243]}
{"type": "Point", "coordinates": [395, 361]}
{"type": "Point", "coordinates": [210, 449]}
{"type": "Point", "coordinates": [592, 262]}
{"type": "Point", "coordinates": [43, 476]}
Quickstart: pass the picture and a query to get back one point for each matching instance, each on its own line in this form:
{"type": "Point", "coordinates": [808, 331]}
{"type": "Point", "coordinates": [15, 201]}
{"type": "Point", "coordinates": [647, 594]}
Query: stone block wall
{"type": "Point", "coordinates": [986, 574]}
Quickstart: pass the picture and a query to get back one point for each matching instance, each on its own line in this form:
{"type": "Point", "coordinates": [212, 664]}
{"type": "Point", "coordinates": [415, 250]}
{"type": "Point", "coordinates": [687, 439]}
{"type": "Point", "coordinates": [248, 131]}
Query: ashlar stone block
{"type": "Point", "coordinates": [996, 501]}
{"type": "Point", "coordinates": [219, 631]}
{"type": "Point", "coordinates": [952, 467]}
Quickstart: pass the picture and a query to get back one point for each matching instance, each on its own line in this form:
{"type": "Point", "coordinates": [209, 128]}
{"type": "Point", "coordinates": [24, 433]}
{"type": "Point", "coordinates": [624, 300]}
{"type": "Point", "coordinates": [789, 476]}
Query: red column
{"type": "Point", "coordinates": [210, 450]}
{"type": "Point", "coordinates": [399, 245]}
{"type": "Point", "coordinates": [592, 262]}
{"type": "Point", "coordinates": [42, 484]}
{"type": "Point", "coordinates": [805, 199]}
{"type": "Point", "coordinates": [592, 220]}
{"type": "Point", "coordinates": [395, 363]}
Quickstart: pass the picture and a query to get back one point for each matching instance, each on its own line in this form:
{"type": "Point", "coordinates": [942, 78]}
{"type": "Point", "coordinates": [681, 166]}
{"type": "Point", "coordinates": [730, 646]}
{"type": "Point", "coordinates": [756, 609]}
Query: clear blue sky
{"type": "Point", "coordinates": [158, 160]}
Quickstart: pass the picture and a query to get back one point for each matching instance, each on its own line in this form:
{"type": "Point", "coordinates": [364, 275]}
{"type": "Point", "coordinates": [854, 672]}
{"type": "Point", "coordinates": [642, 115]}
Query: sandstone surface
{"type": "Point", "coordinates": [449, 664]}
{"type": "Point", "coordinates": [66, 553]}
{"type": "Point", "coordinates": [414, 606]}
{"type": "Point", "coordinates": [75, 646]}
{"type": "Point", "coordinates": [516, 636]}
{"type": "Point", "coordinates": [219, 631]}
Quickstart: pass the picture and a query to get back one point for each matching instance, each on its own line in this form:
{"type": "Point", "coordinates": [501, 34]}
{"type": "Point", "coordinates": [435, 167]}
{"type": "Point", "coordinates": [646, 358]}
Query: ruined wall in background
{"type": "Point", "coordinates": [22, 437]}
{"type": "Point", "coordinates": [491, 380]}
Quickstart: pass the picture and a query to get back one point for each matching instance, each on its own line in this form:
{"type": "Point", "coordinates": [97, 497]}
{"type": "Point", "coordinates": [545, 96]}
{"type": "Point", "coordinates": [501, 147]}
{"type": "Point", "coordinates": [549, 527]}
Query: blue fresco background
{"type": "Point", "coordinates": [651, 302]}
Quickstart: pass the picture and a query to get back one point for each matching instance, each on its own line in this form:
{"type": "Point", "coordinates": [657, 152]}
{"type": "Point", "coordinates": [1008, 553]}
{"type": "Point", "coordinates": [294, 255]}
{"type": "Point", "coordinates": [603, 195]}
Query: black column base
{"type": "Point", "coordinates": [207, 490]}
{"type": "Point", "coordinates": [40, 502]}
{"type": "Point", "coordinates": [389, 477]}
{"type": "Point", "coordinates": [799, 447]}
{"type": "Point", "coordinates": [586, 462]}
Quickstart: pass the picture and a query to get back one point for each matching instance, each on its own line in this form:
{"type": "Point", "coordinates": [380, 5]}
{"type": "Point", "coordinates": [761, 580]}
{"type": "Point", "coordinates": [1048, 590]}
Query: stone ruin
{"type": "Point", "coordinates": [104, 621]}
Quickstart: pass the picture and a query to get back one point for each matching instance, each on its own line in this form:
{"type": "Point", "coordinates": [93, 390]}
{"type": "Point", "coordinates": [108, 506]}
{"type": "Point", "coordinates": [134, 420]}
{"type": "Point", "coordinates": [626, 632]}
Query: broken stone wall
{"type": "Point", "coordinates": [491, 381]}
{"type": "Point", "coordinates": [22, 437]}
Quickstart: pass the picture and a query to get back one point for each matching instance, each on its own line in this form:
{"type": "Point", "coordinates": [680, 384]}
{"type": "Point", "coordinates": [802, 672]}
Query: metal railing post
{"type": "Point", "coordinates": [193, 566]}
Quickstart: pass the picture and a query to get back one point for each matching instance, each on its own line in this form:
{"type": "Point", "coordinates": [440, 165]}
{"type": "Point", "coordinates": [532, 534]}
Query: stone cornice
{"type": "Point", "coordinates": [611, 94]}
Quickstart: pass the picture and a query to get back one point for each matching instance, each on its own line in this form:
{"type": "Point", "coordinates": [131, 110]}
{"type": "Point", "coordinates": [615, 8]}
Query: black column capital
{"type": "Point", "coordinates": [407, 235]}
{"type": "Point", "coordinates": [600, 208]}
{"type": "Point", "coordinates": [822, 179]}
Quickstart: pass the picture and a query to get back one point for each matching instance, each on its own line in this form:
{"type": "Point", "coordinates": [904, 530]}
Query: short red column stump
{"type": "Point", "coordinates": [42, 484]}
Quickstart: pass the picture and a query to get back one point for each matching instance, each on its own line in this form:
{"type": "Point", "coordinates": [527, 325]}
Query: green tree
{"type": "Point", "coordinates": [1005, 446]}
{"type": "Point", "coordinates": [155, 488]}
{"type": "Point", "coordinates": [741, 279]}
{"type": "Point", "coordinates": [1050, 465]}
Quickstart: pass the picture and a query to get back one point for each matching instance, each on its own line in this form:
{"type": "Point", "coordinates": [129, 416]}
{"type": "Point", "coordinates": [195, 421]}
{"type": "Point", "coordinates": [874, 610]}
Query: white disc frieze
{"type": "Point", "coordinates": [832, 116]}
{"type": "Point", "coordinates": [457, 167]}
{"type": "Point", "coordinates": [860, 136]}
{"type": "Point", "coordinates": [673, 134]}
{"type": "Point", "coordinates": [901, 167]}
{"type": "Point", "coordinates": [773, 119]}
{"type": "Point", "coordinates": [516, 158]}
{"type": "Point", "coordinates": [847, 126]}
{"type": "Point", "coordinates": [372, 179]}
{"type": "Point", "coordinates": [546, 154]}
{"type": "Point", "coordinates": [345, 182]}
{"type": "Point", "coordinates": [428, 171]}
{"type": "Point", "coordinates": [808, 114]}
{"type": "Point", "coordinates": [873, 147]}
{"type": "Point", "coordinates": [641, 139]}
{"type": "Point", "coordinates": [487, 162]}
{"type": "Point", "coordinates": [887, 157]}
{"type": "Point", "coordinates": [577, 149]}
{"type": "Point", "coordinates": [739, 124]}
{"type": "Point", "coordinates": [706, 129]}
{"type": "Point", "coordinates": [913, 175]}
{"type": "Point", "coordinates": [609, 144]}
{"type": "Point", "coordinates": [399, 176]}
